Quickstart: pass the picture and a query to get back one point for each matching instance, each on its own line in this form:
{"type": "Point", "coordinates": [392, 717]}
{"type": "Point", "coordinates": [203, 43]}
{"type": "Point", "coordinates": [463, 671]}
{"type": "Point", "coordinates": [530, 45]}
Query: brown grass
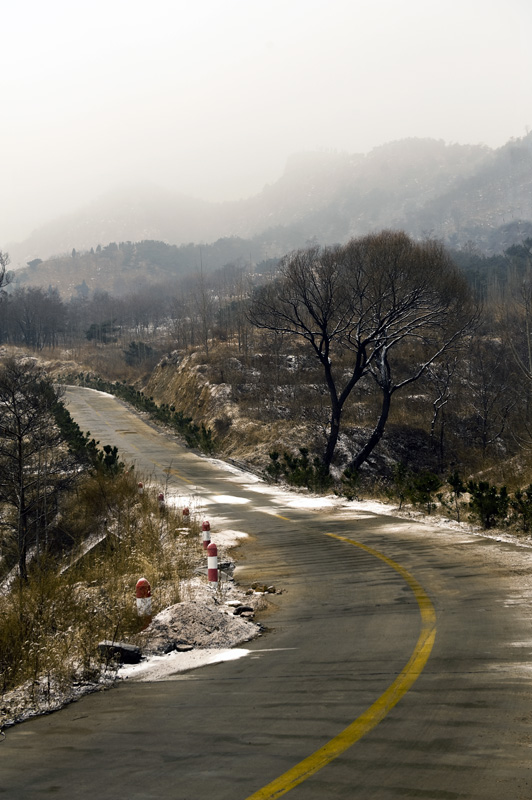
{"type": "Point", "coordinates": [51, 624]}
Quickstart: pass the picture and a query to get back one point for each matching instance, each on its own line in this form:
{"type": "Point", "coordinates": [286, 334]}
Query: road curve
{"type": "Point", "coordinates": [354, 617]}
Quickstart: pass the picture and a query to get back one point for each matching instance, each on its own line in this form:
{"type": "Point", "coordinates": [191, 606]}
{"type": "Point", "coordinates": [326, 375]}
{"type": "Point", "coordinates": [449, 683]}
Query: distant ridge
{"type": "Point", "coordinates": [459, 193]}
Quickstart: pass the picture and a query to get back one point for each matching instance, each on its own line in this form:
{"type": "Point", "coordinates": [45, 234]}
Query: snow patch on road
{"type": "Point", "coordinates": [167, 667]}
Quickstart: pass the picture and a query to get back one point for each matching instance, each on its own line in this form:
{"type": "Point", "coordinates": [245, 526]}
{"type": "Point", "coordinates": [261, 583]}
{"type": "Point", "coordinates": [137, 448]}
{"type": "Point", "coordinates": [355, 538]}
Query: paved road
{"type": "Point", "coordinates": [345, 648]}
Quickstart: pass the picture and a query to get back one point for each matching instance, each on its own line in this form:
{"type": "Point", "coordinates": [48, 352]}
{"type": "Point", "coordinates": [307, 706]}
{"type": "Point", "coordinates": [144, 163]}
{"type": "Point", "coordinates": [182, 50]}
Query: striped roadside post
{"type": "Point", "coordinates": [206, 528]}
{"type": "Point", "coordinates": [143, 594]}
{"type": "Point", "coordinates": [212, 564]}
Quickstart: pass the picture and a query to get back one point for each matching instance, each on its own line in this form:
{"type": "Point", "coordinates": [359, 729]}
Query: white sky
{"type": "Point", "coordinates": [209, 97]}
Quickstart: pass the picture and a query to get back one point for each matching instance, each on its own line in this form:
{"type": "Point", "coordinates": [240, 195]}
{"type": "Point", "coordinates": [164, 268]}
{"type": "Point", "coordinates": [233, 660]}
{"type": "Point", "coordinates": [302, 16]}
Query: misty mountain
{"type": "Point", "coordinates": [459, 193]}
{"type": "Point", "coordinates": [128, 214]}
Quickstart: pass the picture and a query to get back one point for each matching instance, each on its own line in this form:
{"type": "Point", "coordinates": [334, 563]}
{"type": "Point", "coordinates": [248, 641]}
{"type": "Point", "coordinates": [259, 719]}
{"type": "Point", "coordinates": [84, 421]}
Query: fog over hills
{"type": "Point", "coordinates": [459, 193]}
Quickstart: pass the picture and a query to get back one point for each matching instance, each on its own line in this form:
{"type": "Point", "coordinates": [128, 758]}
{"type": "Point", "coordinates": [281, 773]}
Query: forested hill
{"type": "Point", "coordinates": [128, 267]}
{"type": "Point", "coordinates": [459, 193]}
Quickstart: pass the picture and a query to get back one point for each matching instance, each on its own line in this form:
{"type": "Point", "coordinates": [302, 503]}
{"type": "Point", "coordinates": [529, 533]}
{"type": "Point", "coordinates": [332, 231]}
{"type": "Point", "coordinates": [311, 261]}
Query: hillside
{"type": "Point", "coordinates": [459, 193]}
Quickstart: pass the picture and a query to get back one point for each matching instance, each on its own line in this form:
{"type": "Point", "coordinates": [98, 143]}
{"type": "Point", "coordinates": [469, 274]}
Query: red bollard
{"type": "Point", "coordinates": [206, 527]}
{"type": "Point", "coordinates": [212, 563]}
{"type": "Point", "coordinates": [140, 488]}
{"type": "Point", "coordinates": [160, 499]}
{"type": "Point", "coordinates": [185, 514]}
{"type": "Point", "coordinates": [143, 593]}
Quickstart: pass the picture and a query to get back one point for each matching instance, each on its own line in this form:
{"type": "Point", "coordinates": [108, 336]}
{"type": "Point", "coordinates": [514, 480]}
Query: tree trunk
{"type": "Point", "coordinates": [22, 510]}
{"type": "Point", "coordinates": [23, 543]}
{"type": "Point", "coordinates": [333, 437]}
{"type": "Point", "coordinates": [336, 410]}
{"type": "Point", "coordinates": [376, 436]}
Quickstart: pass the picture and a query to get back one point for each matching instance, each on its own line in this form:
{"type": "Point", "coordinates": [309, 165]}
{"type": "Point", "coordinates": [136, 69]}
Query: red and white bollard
{"type": "Point", "coordinates": [140, 487]}
{"type": "Point", "coordinates": [206, 528]}
{"type": "Point", "coordinates": [160, 500]}
{"type": "Point", "coordinates": [212, 563]}
{"type": "Point", "coordinates": [185, 514]}
{"type": "Point", "coordinates": [143, 593]}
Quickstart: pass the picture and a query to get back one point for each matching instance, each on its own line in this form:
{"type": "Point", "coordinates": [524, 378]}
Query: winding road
{"type": "Point", "coordinates": [396, 662]}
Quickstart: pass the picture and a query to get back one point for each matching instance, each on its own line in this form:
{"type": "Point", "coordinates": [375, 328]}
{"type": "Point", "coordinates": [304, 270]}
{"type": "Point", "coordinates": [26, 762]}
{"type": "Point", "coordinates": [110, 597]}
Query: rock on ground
{"type": "Point", "coordinates": [195, 624]}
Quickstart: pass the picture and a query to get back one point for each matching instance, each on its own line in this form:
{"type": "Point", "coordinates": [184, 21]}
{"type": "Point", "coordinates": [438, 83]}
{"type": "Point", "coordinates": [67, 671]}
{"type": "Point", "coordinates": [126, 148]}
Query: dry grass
{"type": "Point", "coordinates": [51, 624]}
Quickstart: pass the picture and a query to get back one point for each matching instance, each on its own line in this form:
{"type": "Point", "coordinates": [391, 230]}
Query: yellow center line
{"type": "Point", "coordinates": [173, 471]}
{"type": "Point", "coordinates": [381, 707]}
{"type": "Point", "coordinates": [178, 474]}
{"type": "Point", "coordinates": [273, 514]}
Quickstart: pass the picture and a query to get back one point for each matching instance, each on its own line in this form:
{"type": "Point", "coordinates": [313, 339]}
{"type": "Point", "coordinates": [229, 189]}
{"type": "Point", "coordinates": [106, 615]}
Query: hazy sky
{"type": "Point", "coordinates": [209, 97]}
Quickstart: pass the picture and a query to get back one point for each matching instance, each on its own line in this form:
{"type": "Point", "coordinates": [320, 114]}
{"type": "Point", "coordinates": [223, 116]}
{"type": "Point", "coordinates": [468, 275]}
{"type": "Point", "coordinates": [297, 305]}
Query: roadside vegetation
{"type": "Point", "coordinates": [76, 595]}
{"type": "Point", "coordinates": [377, 369]}
{"type": "Point", "coordinates": [77, 532]}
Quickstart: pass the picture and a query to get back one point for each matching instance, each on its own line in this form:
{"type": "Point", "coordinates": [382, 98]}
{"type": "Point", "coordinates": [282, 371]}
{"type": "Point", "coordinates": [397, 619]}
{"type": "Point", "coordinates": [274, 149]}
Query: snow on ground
{"type": "Point", "coordinates": [276, 499]}
{"type": "Point", "coordinates": [282, 498]}
{"type": "Point", "coordinates": [166, 667]}
{"type": "Point", "coordinates": [350, 509]}
{"type": "Point", "coordinates": [204, 620]}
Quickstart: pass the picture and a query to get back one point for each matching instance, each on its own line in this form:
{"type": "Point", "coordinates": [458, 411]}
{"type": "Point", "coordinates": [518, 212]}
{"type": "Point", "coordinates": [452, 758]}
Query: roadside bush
{"type": "Point", "coordinates": [488, 504]}
{"type": "Point", "coordinates": [137, 353]}
{"type": "Point", "coordinates": [521, 505]}
{"type": "Point", "coordinates": [452, 500]}
{"type": "Point", "coordinates": [299, 470]}
{"type": "Point", "coordinates": [416, 487]}
{"type": "Point", "coordinates": [421, 488]}
{"type": "Point", "coordinates": [399, 487]}
{"type": "Point", "coordinates": [274, 468]}
{"type": "Point", "coordinates": [35, 628]}
{"type": "Point", "coordinates": [350, 482]}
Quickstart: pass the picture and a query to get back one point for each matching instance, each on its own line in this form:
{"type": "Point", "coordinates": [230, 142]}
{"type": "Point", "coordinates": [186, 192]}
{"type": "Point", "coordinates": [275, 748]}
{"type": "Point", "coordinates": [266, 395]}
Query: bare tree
{"type": "Point", "coordinates": [382, 305]}
{"type": "Point", "coordinates": [204, 308]}
{"type": "Point", "coordinates": [440, 378]}
{"type": "Point", "coordinates": [492, 390]}
{"type": "Point", "coordinates": [516, 311]}
{"type": "Point", "coordinates": [5, 279]}
{"type": "Point", "coordinates": [5, 276]}
{"type": "Point", "coordinates": [35, 317]}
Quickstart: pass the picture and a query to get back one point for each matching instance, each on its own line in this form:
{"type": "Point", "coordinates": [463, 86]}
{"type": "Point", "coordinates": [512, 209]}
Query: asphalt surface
{"type": "Point", "coordinates": [338, 636]}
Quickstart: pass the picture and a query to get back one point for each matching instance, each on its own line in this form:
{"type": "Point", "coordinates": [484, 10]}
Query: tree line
{"type": "Point", "coordinates": [193, 309]}
{"type": "Point", "coordinates": [349, 340]}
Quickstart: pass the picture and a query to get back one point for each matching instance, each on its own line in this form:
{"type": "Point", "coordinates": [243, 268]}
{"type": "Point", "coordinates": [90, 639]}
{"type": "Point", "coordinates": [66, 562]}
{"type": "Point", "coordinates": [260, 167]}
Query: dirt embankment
{"type": "Point", "coordinates": [196, 389]}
